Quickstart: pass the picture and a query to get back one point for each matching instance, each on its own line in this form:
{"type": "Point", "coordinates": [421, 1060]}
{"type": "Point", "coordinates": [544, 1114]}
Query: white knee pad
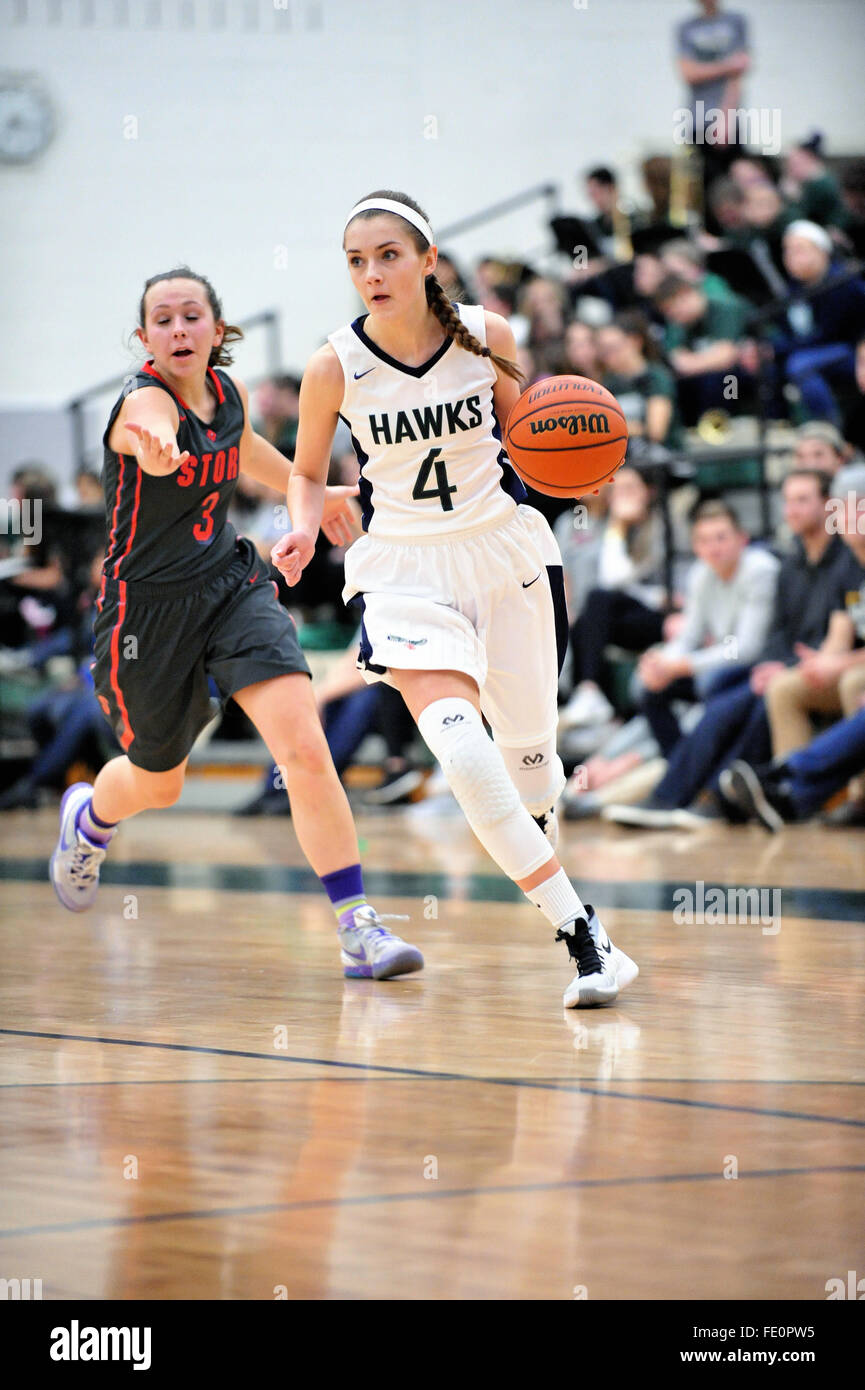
{"type": "Point", "coordinates": [476, 773]}
{"type": "Point", "coordinates": [537, 774]}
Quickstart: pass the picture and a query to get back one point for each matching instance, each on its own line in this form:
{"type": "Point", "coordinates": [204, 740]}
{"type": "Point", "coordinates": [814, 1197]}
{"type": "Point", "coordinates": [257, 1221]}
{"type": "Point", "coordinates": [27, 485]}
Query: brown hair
{"type": "Point", "coordinates": [715, 507]}
{"type": "Point", "coordinates": [436, 297]}
{"type": "Point", "coordinates": [219, 356]}
{"type": "Point", "coordinates": [670, 286]}
{"type": "Point", "coordinates": [634, 324]}
{"type": "Point", "coordinates": [823, 479]}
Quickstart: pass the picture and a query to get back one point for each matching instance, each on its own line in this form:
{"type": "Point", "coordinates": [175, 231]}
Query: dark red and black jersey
{"type": "Point", "coordinates": [174, 528]}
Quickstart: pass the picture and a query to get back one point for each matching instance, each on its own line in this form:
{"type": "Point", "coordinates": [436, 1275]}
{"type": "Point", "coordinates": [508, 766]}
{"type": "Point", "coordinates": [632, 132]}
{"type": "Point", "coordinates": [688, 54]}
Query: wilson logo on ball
{"type": "Point", "coordinates": [595, 424]}
{"type": "Point", "coordinates": [566, 436]}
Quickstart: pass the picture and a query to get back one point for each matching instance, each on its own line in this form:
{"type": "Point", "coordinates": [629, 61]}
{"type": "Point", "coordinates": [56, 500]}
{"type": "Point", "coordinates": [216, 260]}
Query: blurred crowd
{"type": "Point", "coordinates": [716, 664]}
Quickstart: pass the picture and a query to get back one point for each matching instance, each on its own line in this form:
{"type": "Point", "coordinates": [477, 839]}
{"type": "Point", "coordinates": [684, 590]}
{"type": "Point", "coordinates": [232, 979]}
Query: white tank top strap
{"type": "Point", "coordinates": [472, 316]}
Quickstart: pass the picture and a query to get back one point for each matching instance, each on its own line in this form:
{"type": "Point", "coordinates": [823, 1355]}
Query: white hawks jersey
{"type": "Point", "coordinates": [432, 460]}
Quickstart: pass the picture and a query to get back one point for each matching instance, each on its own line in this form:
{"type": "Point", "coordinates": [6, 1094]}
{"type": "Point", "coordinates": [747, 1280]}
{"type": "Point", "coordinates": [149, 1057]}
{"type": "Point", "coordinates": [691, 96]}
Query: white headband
{"type": "Point", "coordinates": [389, 205]}
{"type": "Point", "coordinates": [812, 232]}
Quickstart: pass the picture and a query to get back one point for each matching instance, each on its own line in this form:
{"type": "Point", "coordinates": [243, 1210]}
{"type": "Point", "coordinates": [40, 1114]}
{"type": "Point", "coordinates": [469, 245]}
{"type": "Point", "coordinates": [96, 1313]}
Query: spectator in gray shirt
{"type": "Point", "coordinates": [726, 619]}
{"type": "Point", "coordinates": [712, 53]}
{"type": "Point", "coordinates": [712, 58]}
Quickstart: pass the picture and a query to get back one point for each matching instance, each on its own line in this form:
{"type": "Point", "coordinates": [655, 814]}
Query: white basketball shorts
{"type": "Point", "coordinates": [490, 604]}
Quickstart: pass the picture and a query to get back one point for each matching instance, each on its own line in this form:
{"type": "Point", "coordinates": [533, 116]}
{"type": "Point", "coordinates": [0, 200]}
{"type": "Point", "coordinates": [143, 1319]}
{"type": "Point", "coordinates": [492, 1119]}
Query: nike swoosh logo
{"type": "Point", "coordinates": [355, 955]}
{"type": "Point", "coordinates": [608, 948]}
{"type": "Point", "coordinates": [531, 582]}
{"type": "Point", "coordinates": [358, 375]}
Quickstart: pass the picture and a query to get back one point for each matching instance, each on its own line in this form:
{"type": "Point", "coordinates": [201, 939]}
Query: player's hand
{"type": "Point", "coordinates": [337, 519]}
{"type": "Point", "coordinates": [291, 554]}
{"type": "Point", "coordinates": [152, 455]}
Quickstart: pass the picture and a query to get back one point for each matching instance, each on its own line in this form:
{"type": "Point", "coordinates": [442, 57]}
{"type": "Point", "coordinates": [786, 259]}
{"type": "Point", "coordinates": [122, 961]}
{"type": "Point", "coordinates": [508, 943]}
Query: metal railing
{"type": "Point", "coordinates": [549, 191]}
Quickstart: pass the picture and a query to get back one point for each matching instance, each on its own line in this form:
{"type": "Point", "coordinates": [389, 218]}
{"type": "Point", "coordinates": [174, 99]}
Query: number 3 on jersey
{"type": "Point", "coordinates": [203, 529]}
{"type": "Point", "coordinates": [442, 489]}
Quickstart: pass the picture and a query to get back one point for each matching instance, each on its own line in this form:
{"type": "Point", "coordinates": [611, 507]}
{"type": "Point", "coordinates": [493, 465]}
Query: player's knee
{"type": "Point", "coordinates": [454, 732]}
{"type": "Point", "coordinates": [165, 790]}
{"type": "Point", "coordinates": [307, 754]}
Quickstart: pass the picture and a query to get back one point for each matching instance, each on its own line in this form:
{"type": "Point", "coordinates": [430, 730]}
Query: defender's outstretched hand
{"type": "Point", "coordinates": [291, 554]}
{"type": "Point", "coordinates": [152, 454]}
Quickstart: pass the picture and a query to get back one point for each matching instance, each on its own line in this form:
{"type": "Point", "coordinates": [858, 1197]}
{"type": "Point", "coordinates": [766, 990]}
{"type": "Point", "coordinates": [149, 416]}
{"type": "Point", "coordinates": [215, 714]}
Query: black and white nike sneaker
{"type": "Point", "coordinates": [595, 978]}
{"type": "Point", "coordinates": [625, 969]}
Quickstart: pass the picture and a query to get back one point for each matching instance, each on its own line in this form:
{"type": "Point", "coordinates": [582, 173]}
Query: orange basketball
{"type": "Point", "coordinates": [566, 436]}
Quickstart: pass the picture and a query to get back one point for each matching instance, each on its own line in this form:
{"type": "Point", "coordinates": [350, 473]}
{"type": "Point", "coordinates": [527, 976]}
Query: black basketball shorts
{"type": "Point", "coordinates": [156, 646]}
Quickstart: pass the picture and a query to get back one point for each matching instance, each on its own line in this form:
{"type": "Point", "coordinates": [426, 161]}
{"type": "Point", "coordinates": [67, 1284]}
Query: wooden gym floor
{"type": "Point", "coordinates": [196, 1105]}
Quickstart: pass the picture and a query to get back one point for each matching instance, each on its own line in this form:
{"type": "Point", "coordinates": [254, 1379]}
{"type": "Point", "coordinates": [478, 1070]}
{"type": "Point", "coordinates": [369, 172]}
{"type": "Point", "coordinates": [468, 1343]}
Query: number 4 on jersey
{"type": "Point", "coordinates": [442, 489]}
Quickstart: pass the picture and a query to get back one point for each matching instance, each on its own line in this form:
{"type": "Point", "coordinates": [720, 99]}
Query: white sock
{"type": "Point", "coordinates": [558, 900]}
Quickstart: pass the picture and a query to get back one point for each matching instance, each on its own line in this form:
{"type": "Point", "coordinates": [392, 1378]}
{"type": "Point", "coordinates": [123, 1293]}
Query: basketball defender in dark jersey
{"type": "Point", "coordinates": [184, 599]}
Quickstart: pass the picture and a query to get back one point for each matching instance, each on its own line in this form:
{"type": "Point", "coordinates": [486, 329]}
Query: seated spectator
{"type": "Point", "coordinates": [854, 421]}
{"type": "Point", "coordinates": [657, 173]}
{"type": "Point", "coordinates": [727, 204]}
{"type": "Point", "coordinates": [39, 598]}
{"type": "Point", "coordinates": [542, 304]}
{"type": "Point", "coordinates": [812, 578]}
{"type": "Point", "coordinates": [451, 279]}
{"type": "Point", "coordinates": [811, 185]}
{"type": "Point", "coordinates": [687, 260]}
{"type": "Point", "coordinates": [819, 445]}
{"type": "Point", "coordinates": [824, 321]}
{"type": "Point", "coordinates": [829, 680]}
{"type": "Point", "coordinates": [794, 788]}
{"type": "Point", "coordinates": [624, 595]}
{"type": "Point", "coordinates": [727, 613]}
{"type": "Point", "coordinates": [581, 350]}
{"type": "Point", "coordinates": [853, 199]}
{"type": "Point", "coordinates": [702, 344]}
{"type": "Point", "coordinates": [88, 488]}
{"type": "Point", "coordinates": [752, 171]}
{"type": "Point", "coordinates": [277, 404]}
{"type": "Point", "coordinates": [66, 722]}
{"type": "Point", "coordinates": [644, 388]}
{"type": "Point", "coordinates": [766, 220]}
{"type": "Point", "coordinates": [801, 779]}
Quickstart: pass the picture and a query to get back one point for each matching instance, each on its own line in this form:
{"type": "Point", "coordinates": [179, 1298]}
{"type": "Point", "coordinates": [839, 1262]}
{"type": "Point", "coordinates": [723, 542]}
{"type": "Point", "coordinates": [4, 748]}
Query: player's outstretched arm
{"type": "Point", "coordinates": [321, 394]}
{"type": "Point", "coordinates": [147, 428]}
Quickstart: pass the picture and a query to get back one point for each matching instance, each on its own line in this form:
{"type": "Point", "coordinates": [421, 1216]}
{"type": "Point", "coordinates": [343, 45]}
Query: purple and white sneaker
{"type": "Point", "coordinates": [74, 867]}
{"type": "Point", "coordinates": [371, 952]}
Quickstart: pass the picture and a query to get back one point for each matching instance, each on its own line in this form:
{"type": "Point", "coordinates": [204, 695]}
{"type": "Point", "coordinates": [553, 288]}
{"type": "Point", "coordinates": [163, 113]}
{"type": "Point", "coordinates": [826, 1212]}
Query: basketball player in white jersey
{"type": "Point", "coordinates": [456, 578]}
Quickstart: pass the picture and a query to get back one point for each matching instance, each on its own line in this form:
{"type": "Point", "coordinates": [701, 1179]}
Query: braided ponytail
{"type": "Point", "coordinates": [436, 297]}
{"type": "Point", "coordinates": [453, 325]}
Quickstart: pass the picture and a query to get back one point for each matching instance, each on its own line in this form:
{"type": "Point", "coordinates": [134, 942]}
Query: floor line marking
{"type": "Point", "coordinates": [577, 1087]}
{"type": "Point", "coordinates": [455, 1193]}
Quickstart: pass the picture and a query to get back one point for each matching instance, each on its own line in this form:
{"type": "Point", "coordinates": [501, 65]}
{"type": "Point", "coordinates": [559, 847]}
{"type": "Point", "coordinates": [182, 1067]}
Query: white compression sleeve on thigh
{"type": "Point", "coordinates": [537, 774]}
{"type": "Point", "coordinates": [453, 731]}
